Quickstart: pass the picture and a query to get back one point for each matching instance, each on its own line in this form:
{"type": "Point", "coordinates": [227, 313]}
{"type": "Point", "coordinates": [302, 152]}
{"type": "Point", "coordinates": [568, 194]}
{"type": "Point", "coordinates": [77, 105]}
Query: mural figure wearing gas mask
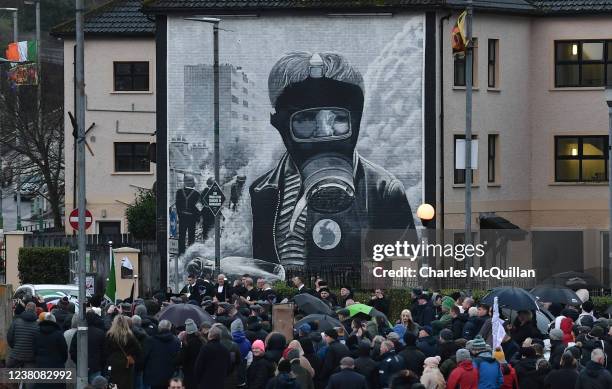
{"type": "Point", "coordinates": [311, 208]}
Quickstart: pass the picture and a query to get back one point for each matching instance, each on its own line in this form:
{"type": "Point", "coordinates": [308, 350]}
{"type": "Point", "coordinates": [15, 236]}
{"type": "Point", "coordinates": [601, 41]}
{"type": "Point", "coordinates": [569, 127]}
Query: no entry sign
{"type": "Point", "coordinates": [74, 219]}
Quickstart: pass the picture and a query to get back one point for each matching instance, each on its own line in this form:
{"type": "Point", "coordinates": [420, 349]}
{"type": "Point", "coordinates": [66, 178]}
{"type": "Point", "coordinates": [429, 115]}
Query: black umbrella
{"type": "Point", "coordinates": [555, 294]}
{"type": "Point", "coordinates": [517, 299]}
{"type": "Point", "coordinates": [609, 310]}
{"type": "Point", "coordinates": [310, 304]}
{"type": "Point", "coordinates": [324, 322]}
{"type": "Point", "coordinates": [574, 280]}
{"type": "Point", "coordinates": [178, 313]}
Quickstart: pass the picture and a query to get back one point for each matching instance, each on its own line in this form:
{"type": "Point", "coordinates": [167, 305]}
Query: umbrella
{"type": "Point", "coordinates": [324, 322]}
{"type": "Point", "coordinates": [178, 313]}
{"type": "Point", "coordinates": [310, 304]}
{"type": "Point", "coordinates": [362, 309]}
{"type": "Point", "coordinates": [555, 294]}
{"type": "Point", "coordinates": [510, 297]}
{"type": "Point", "coordinates": [574, 280]}
{"type": "Point", "coordinates": [609, 310]}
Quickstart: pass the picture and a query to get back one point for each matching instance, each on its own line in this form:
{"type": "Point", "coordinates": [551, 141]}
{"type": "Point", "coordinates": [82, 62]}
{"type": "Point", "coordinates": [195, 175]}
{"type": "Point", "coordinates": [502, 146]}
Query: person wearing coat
{"type": "Point", "coordinates": [50, 350]}
{"type": "Point", "coordinates": [347, 378]}
{"type": "Point", "coordinates": [95, 346]}
{"type": "Point", "coordinates": [285, 379]}
{"type": "Point", "coordinates": [594, 375]}
{"type": "Point", "coordinates": [413, 357]}
{"type": "Point", "coordinates": [160, 356]}
{"type": "Point", "coordinates": [335, 352]}
{"type": "Point", "coordinates": [260, 371]}
{"type": "Point", "coordinates": [213, 363]}
{"type": "Point", "coordinates": [302, 376]}
{"type": "Point", "coordinates": [565, 376]}
{"type": "Point", "coordinates": [20, 337]}
{"type": "Point", "coordinates": [365, 365]}
{"type": "Point", "coordinates": [275, 345]}
{"type": "Point", "coordinates": [122, 351]}
{"type": "Point", "coordinates": [427, 343]}
{"type": "Point", "coordinates": [464, 376]}
{"type": "Point", "coordinates": [191, 343]}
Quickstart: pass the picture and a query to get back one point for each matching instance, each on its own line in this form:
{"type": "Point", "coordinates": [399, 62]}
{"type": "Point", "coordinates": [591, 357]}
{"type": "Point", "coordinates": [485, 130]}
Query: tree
{"type": "Point", "coordinates": [141, 215]}
{"type": "Point", "coordinates": [36, 150]}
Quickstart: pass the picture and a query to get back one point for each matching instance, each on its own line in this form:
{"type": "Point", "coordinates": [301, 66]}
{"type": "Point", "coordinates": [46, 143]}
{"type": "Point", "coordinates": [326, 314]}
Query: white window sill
{"type": "Point", "coordinates": [132, 92]}
{"type": "Point", "coordinates": [149, 173]}
{"type": "Point", "coordinates": [461, 186]}
{"type": "Point", "coordinates": [463, 88]}
{"type": "Point", "coordinates": [497, 90]}
{"type": "Point", "coordinates": [604, 183]}
{"type": "Point", "coordinates": [494, 185]}
{"type": "Point", "coordinates": [578, 88]}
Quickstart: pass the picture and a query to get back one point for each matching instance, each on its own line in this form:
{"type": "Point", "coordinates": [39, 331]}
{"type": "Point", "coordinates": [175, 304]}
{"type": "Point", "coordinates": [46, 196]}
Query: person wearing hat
{"type": "Point", "coordinates": [191, 343]}
{"type": "Point", "coordinates": [592, 340]}
{"type": "Point", "coordinates": [489, 372]}
{"type": "Point", "coordinates": [464, 376]}
{"type": "Point", "coordinates": [556, 347]}
{"type": "Point", "coordinates": [236, 192]}
{"type": "Point", "coordinates": [510, 378]}
{"type": "Point", "coordinates": [427, 343]}
{"type": "Point", "coordinates": [335, 352]}
{"type": "Point", "coordinates": [302, 376]}
{"type": "Point", "coordinates": [347, 378]}
{"type": "Point", "coordinates": [99, 382]}
{"type": "Point", "coordinates": [260, 370]}
{"type": "Point", "coordinates": [237, 331]}
{"type": "Point", "coordinates": [432, 378]}
{"type": "Point", "coordinates": [254, 329]}
{"type": "Point", "coordinates": [50, 349]}
{"type": "Point", "coordinates": [284, 379]}
{"type": "Point", "coordinates": [187, 199]}
{"type": "Point", "coordinates": [446, 345]}
{"type": "Point", "coordinates": [424, 312]}
{"type": "Point", "coordinates": [445, 320]}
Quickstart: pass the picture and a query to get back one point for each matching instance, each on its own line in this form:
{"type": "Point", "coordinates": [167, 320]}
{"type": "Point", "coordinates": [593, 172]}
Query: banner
{"type": "Point", "coordinates": [24, 74]}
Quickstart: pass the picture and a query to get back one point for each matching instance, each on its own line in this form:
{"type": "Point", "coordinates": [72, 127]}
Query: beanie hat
{"type": "Point", "coordinates": [586, 320]}
{"type": "Point", "coordinates": [432, 361]}
{"type": "Point", "coordinates": [293, 354]}
{"type": "Point", "coordinates": [478, 345]}
{"type": "Point", "coordinates": [448, 302]}
{"type": "Point", "coordinates": [583, 294]}
{"type": "Point", "coordinates": [555, 334]}
{"type": "Point", "coordinates": [499, 355]}
{"type": "Point", "coordinates": [446, 335]}
{"type": "Point", "coordinates": [305, 328]}
{"type": "Point", "coordinates": [597, 332]}
{"type": "Point", "coordinates": [427, 329]}
{"type": "Point", "coordinates": [190, 326]}
{"type": "Point", "coordinates": [99, 382]}
{"type": "Point", "coordinates": [258, 344]}
{"type": "Point", "coordinates": [237, 326]}
{"type": "Point", "coordinates": [284, 366]}
{"type": "Point", "coordinates": [393, 336]}
{"type": "Point", "coordinates": [463, 355]}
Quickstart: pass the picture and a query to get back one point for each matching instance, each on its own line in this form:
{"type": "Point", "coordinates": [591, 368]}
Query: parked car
{"type": "Point", "coordinates": [46, 290]}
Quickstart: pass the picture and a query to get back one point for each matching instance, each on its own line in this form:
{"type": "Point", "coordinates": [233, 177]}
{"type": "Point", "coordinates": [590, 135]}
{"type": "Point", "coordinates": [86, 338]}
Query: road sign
{"type": "Point", "coordinates": [214, 198]}
{"type": "Point", "coordinates": [74, 219]}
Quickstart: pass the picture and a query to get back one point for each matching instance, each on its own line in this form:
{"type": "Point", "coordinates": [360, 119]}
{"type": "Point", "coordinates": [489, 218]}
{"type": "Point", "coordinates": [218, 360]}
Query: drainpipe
{"type": "Point", "coordinates": [441, 48]}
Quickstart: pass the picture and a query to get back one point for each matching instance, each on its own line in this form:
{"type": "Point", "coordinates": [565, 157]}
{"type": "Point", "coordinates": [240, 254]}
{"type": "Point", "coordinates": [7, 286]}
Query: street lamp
{"type": "Point", "coordinates": [15, 38]}
{"type": "Point", "coordinates": [215, 23]}
{"type": "Point", "coordinates": [426, 213]}
{"type": "Point", "coordinates": [608, 96]}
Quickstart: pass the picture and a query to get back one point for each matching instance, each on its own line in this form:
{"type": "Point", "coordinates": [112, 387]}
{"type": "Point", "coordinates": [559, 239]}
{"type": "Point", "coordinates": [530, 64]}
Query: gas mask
{"type": "Point", "coordinates": [318, 119]}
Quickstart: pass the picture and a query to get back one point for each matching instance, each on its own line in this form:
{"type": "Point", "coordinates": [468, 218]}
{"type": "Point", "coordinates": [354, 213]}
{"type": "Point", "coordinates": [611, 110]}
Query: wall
{"type": "Point", "coordinates": [387, 51]}
{"type": "Point", "coordinates": [113, 113]}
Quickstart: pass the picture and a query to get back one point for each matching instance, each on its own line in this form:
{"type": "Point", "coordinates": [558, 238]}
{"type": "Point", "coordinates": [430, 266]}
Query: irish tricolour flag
{"type": "Point", "coordinates": [24, 51]}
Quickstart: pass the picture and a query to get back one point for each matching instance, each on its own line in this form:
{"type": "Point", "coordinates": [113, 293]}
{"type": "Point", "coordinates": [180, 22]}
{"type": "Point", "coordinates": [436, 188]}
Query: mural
{"type": "Point", "coordinates": [321, 137]}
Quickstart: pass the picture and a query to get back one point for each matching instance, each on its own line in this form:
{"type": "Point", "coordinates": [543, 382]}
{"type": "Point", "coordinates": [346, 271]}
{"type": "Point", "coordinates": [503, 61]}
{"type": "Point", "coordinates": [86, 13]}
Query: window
{"type": "Point", "coordinates": [581, 158]}
{"type": "Point", "coordinates": [245, 103]}
{"type": "Point", "coordinates": [459, 176]}
{"type": "Point", "coordinates": [131, 76]}
{"type": "Point", "coordinates": [583, 63]}
{"type": "Point", "coordinates": [245, 117]}
{"type": "Point", "coordinates": [132, 157]}
{"type": "Point", "coordinates": [460, 68]}
{"type": "Point", "coordinates": [234, 115]}
{"type": "Point", "coordinates": [493, 54]}
{"type": "Point", "coordinates": [492, 167]}
{"type": "Point", "coordinates": [245, 91]}
{"type": "Point", "coordinates": [109, 228]}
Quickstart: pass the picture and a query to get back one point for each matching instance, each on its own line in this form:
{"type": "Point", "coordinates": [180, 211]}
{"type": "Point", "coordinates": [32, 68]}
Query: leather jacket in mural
{"type": "Point", "coordinates": [380, 203]}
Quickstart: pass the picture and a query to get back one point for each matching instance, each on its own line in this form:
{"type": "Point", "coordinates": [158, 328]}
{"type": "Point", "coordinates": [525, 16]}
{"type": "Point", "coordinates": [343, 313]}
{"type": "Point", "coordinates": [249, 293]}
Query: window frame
{"type": "Point", "coordinates": [133, 158]}
{"type": "Point", "coordinates": [492, 155]}
{"type": "Point", "coordinates": [456, 172]}
{"type": "Point", "coordinates": [493, 63]}
{"type": "Point", "coordinates": [462, 59]}
{"type": "Point", "coordinates": [580, 157]}
{"type": "Point", "coordinates": [132, 75]}
{"type": "Point", "coordinates": [605, 62]}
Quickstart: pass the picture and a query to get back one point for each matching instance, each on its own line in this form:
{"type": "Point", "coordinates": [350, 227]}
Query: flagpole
{"type": "Point", "coordinates": [110, 266]}
{"type": "Point", "coordinates": [468, 135]}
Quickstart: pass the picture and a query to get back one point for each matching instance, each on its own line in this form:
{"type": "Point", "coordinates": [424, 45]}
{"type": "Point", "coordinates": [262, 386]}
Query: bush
{"type": "Point", "coordinates": [141, 215]}
{"type": "Point", "coordinates": [43, 265]}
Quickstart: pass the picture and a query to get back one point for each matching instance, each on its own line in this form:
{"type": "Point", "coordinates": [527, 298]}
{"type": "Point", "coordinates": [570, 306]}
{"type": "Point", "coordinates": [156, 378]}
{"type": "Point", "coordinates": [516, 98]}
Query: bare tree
{"type": "Point", "coordinates": [36, 150]}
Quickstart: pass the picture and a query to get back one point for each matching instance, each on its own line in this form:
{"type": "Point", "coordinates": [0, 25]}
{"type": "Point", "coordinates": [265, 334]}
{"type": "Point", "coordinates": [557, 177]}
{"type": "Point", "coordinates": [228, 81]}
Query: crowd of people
{"type": "Point", "coordinates": [437, 342]}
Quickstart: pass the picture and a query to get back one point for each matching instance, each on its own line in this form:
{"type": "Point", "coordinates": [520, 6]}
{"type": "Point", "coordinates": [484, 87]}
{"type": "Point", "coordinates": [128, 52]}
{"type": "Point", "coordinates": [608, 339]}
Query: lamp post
{"type": "Point", "coordinates": [215, 23]}
{"type": "Point", "coordinates": [609, 102]}
{"type": "Point", "coordinates": [15, 37]}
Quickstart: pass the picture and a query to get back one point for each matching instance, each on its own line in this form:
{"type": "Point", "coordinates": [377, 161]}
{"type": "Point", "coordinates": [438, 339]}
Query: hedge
{"type": "Point", "coordinates": [399, 299]}
{"type": "Point", "coordinates": [44, 265]}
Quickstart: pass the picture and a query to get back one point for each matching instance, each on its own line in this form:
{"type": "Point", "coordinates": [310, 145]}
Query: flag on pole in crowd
{"type": "Point", "coordinates": [24, 51]}
{"type": "Point", "coordinates": [497, 326]}
{"type": "Point", "coordinates": [458, 35]}
{"type": "Point", "coordinates": [23, 74]}
{"type": "Point", "coordinates": [111, 285]}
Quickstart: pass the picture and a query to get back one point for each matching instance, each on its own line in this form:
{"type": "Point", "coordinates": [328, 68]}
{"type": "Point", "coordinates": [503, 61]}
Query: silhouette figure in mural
{"type": "Point", "coordinates": [312, 207]}
{"type": "Point", "coordinates": [236, 192]}
{"type": "Point", "coordinates": [187, 199]}
{"type": "Point", "coordinates": [208, 219]}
